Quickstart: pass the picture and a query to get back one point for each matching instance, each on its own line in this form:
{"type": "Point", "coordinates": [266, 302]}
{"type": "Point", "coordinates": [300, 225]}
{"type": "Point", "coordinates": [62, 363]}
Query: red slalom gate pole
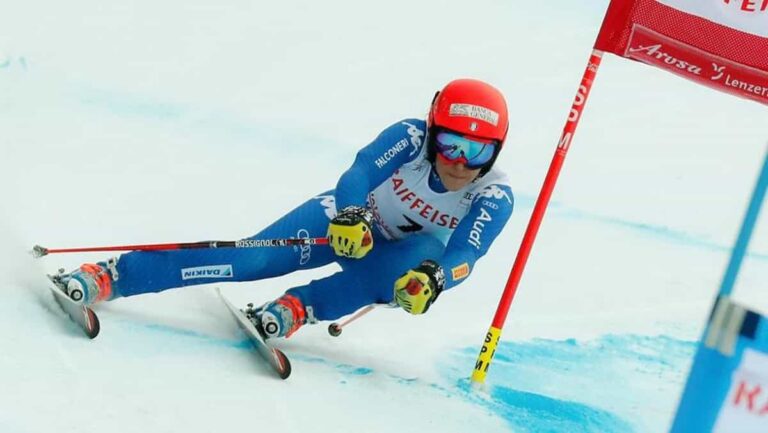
{"type": "Point", "coordinates": [494, 332]}
{"type": "Point", "coordinates": [38, 251]}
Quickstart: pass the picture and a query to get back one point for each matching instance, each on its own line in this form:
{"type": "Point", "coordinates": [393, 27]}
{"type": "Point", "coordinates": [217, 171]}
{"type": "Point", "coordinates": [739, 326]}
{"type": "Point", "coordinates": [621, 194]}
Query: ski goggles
{"type": "Point", "coordinates": [457, 149]}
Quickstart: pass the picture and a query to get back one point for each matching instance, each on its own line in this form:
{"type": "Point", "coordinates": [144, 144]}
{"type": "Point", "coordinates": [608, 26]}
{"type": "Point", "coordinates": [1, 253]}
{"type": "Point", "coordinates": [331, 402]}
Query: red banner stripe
{"type": "Point", "coordinates": [735, 45]}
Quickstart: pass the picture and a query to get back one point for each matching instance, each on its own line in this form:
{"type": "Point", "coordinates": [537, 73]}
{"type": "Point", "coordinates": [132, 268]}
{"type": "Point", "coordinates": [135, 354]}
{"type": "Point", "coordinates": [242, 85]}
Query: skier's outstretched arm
{"type": "Point", "coordinates": [399, 144]}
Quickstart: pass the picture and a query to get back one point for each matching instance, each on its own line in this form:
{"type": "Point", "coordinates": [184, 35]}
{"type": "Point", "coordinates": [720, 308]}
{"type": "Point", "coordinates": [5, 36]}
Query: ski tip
{"type": "Point", "coordinates": [284, 369]}
{"type": "Point", "coordinates": [94, 326]}
{"type": "Point", "coordinates": [81, 315]}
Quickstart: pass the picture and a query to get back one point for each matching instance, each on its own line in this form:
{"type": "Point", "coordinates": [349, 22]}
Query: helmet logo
{"type": "Point", "coordinates": [473, 126]}
{"type": "Point", "coordinates": [475, 112]}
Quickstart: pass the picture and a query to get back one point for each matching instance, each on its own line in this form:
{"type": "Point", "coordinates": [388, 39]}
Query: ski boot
{"type": "Point", "coordinates": [90, 283]}
{"type": "Point", "coordinates": [279, 318]}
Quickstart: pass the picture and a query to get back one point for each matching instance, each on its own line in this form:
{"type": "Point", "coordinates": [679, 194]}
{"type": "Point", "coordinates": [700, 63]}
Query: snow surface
{"type": "Point", "coordinates": [151, 121]}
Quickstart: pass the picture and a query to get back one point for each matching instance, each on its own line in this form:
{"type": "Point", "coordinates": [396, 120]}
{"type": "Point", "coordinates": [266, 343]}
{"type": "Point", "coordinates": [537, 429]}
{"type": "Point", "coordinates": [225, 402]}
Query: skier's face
{"type": "Point", "coordinates": [454, 176]}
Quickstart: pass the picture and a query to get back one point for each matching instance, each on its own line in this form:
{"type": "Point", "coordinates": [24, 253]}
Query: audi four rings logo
{"type": "Point", "coordinates": [305, 249]}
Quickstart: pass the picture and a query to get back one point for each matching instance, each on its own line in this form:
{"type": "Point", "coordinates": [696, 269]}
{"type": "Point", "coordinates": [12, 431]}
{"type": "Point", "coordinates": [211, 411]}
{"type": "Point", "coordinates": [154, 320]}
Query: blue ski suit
{"type": "Point", "coordinates": [455, 239]}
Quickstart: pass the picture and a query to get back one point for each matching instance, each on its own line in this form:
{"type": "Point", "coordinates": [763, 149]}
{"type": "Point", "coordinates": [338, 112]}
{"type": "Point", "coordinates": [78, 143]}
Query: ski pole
{"type": "Point", "coordinates": [38, 251]}
{"type": "Point", "coordinates": [335, 328]}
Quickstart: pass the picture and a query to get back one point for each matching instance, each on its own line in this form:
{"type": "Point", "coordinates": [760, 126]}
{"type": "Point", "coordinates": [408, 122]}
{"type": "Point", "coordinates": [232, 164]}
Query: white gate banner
{"type": "Point", "coordinates": [749, 16]}
{"type": "Point", "coordinates": [745, 409]}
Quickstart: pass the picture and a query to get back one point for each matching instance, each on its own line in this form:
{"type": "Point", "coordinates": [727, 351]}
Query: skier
{"type": "Point", "coordinates": [407, 221]}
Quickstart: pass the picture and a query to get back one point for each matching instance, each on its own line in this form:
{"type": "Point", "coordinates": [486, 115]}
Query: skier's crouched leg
{"type": "Point", "coordinates": [91, 282]}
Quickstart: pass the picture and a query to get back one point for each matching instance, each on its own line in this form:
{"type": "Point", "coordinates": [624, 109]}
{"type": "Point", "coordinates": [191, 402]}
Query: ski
{"type": "Point", "coordinates": [274, 357]}
{"type": "Point", "coordinates": [81, 314]}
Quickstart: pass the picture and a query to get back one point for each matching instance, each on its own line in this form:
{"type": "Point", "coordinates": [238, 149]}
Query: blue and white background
{"type": "Point", "coordinates": [145, 121]}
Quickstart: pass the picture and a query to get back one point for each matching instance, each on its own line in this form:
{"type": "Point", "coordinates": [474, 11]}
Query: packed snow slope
{"type": "Point", "coordinates": [172, 121]}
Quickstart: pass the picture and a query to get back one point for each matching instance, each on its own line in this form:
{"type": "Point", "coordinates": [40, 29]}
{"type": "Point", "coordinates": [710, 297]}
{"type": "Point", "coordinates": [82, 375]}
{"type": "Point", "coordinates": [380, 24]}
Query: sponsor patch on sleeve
{"type": "Point", "coordinates": [460, 271]}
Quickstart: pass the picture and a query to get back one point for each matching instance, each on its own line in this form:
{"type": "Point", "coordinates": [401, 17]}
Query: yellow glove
{"type": "Point", "coordinates": [418, 288]}
{"type": "Point", "coordinates": [349, 233]}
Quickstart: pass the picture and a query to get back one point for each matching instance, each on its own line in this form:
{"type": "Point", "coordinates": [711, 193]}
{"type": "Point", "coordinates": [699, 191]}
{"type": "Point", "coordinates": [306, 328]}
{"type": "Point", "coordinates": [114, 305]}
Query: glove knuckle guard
{"type": "Point", "coordinates": [350, 232]}
{"type": "Point", "coordinates": [417, 289]}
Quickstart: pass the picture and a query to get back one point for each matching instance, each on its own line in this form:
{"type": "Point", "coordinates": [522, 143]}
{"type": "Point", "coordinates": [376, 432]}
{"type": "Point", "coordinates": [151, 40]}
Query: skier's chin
{"type": "Point", "coordinates": [455, 176]}
{"type": "Point", "coordinates": [455, 183]}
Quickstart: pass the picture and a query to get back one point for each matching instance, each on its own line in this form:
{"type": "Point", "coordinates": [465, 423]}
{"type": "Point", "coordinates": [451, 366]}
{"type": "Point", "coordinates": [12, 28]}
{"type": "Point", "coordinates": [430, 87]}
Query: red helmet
{"type": "Point", "coordinates": [470, 107]}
